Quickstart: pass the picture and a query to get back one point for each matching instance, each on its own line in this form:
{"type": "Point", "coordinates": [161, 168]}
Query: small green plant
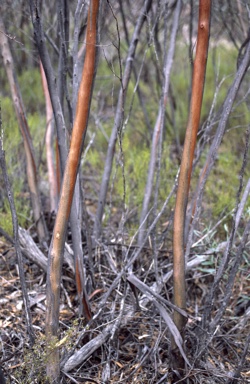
{"type": "Point", "coordinates": [22, 206]}
{"type": "Point", "coordinates": [33, 368]}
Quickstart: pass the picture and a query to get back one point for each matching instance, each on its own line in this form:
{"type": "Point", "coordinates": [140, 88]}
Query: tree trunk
{"type": "Point", "coordinates": [24, 128]}
{"type": "Point", "coordinates": [67, 191]}
{"type": "Point", "coordinates": [178, 363]}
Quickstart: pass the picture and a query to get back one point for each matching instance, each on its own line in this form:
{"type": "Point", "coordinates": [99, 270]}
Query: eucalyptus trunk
{"type": "Point", "coordinates": [199, 71]}
{"type": "Point", "coordinates": [67, 192]}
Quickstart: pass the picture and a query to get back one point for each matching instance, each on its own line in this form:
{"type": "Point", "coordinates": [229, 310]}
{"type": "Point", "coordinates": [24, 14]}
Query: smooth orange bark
{"type": "Point", "coordinates": [67, 192]}
{"type": "Point", "coordinates": [186, 170]}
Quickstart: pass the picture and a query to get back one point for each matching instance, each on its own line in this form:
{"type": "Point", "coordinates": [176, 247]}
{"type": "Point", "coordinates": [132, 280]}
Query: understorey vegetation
{"type": "Point", "coordinates": [124, 192]}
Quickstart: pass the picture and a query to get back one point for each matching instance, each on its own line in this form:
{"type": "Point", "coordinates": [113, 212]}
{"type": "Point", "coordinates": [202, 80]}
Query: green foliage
{"type": "Point", "coordinates": [33, 368]}
{"type": "Point", "coordinates": [223, 182]}
{"type": "Point", "coordinates": [222, 188]}
{"type": "Point", "coordinates": [136, 141]}
{"type": "Point", "coordinates": [222, 185]}
{"type": "Point", "coordinates": [16, 172]}
{"type": "Point", "coordinates": [34, 363]}
{"type": "Point", "coordinates": [136, 159]}
{"type": "Point", "coordinates": [30, 86]}
{"type": "Point", "coordinates": [22, 206]}
{"type": "Point", "coordinates": [9, 123]}
{"type": "Point", "coordinates": [218, 70]}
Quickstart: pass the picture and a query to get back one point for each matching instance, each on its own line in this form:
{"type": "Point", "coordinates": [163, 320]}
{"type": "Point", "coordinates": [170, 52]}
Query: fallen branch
{"type": "Point", "coordinates": [171, 325]}
{"type": "Point", "coordinates": [88, 349]}
{"type": "Point", "coordinates": [31, 250]}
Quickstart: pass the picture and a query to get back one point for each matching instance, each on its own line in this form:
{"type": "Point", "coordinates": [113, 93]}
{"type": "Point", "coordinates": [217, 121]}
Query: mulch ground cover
{"type": "Point", "coordinates": [137, 346]}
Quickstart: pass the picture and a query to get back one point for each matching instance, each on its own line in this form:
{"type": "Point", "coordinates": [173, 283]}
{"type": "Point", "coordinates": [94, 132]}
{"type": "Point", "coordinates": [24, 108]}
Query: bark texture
{"type": "Point", "coordinates": [67, 191]}
{"type": "Point", "coordinates": [178, 363]}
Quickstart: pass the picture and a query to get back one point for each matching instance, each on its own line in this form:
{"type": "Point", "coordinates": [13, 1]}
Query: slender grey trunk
{"type": "Point", "coordinates": [211, 157]}
{"type": "Point", "coordinates": [118, 122]}
{"type": "Point", "coordinates": [159, 124]}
